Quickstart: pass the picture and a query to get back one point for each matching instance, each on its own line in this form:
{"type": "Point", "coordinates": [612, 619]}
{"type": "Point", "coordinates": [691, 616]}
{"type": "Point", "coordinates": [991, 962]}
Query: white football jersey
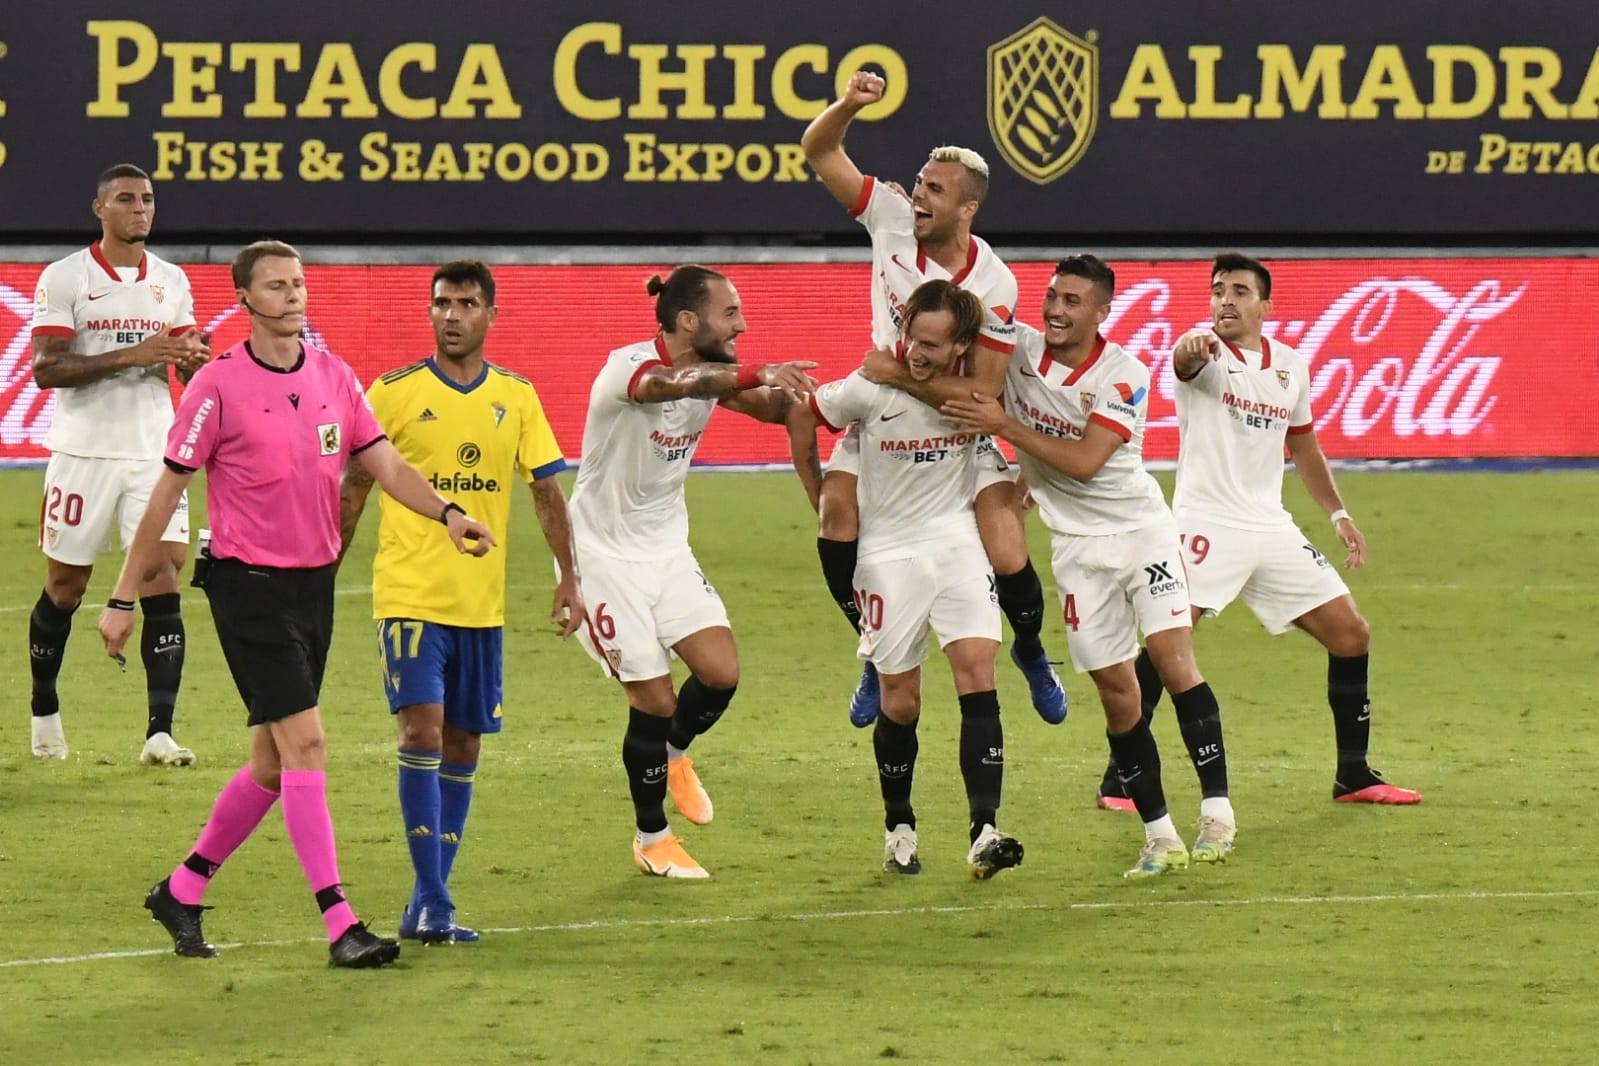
{"type": "Point", "coordinates": [918, 473]}
{"type": "Point", "coordinates": [899, 265]}
{"type": "Point", "coordinates": [1233, 418]}
{"type": "Point", "coordinates": [1111, 389]}
{"type": "Point", "coordinates": [627, 502]}
{"type": "Point", "coordinates": [104, 308]}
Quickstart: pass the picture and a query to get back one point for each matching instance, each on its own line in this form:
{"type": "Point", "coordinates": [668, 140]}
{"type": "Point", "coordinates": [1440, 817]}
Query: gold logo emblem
{"type": "Point", "coordinates": [328, 434]}
{"type": "Point", "coordinates": [1043, 89]}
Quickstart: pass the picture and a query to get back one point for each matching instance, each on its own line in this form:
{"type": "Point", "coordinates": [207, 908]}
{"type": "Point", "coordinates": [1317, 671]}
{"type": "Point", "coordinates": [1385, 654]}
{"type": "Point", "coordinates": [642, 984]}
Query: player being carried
{"type": "Point", "coordinates": [925, 236]}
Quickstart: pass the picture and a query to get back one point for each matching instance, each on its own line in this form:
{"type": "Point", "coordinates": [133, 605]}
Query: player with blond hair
{"type": "Point", "coordinates": [928, 235]}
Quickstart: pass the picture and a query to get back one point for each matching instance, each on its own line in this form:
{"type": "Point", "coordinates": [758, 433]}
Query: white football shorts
{"type": "Point", "coordinates": [1112, 587]}
{"type": "Point", "coordinates": [637, 611]}
{"type": "Point", "coordinates": [950, 589]}
{"type": "Point", "coordinates": [84, 498]}
{"type": "Point", "coordinates": [1280, 574]}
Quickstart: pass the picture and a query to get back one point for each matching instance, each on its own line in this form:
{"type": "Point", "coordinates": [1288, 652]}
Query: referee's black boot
{"type": "Point", "coordinates": [182, 920]}
{"type": "Point", "coordinates": [357, 949]}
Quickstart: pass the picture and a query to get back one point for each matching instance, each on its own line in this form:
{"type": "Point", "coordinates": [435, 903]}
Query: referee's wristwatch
{"type": "Point", "coordinates": [444, 515]}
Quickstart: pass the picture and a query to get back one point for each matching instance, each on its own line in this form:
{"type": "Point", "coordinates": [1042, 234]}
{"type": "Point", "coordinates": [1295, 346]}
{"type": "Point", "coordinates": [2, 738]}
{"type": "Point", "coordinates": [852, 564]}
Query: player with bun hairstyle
{"type": "Point", "coordinates": [647, 597]}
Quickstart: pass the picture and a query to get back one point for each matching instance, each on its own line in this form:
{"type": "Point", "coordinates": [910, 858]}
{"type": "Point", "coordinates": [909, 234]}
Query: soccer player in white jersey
{"type": "Point", "coordinates": [922, 567]}
{"type": "Point", "coordinates": [1078, 405]}
{"type": "Point", "coordinates": [1242, 398]}
{"type": "Point", "coordinates": [925, 236]}
{"type": "Point", "coordinates": [108, 321]}
{"type": "Point", "coordinates": [646, 595]}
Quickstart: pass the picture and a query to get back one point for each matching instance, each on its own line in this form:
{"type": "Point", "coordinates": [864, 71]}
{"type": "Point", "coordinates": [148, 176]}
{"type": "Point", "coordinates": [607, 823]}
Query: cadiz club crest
{"type": "Point", "coordinates": [1043, 89]}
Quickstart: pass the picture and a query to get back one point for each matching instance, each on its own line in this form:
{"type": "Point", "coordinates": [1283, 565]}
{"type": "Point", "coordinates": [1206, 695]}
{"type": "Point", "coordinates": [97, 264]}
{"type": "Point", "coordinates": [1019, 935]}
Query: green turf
{"type": "Point", "coordinates": [1457, 931]}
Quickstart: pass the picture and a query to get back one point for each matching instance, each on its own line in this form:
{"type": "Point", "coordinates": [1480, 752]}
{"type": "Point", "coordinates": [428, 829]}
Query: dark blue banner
{"type": "Point", "coordinates": [503, 118]}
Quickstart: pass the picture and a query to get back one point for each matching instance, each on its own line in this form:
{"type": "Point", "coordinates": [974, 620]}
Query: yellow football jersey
{"type": "Point", "coordinates": [475, 444]}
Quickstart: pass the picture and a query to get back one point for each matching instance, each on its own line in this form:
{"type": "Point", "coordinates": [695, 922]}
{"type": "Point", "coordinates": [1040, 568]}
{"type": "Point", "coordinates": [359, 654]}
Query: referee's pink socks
{"type": "Point", "coordinates": [240, 806]}
{"type": "Point", "coordinates": [305, 812]}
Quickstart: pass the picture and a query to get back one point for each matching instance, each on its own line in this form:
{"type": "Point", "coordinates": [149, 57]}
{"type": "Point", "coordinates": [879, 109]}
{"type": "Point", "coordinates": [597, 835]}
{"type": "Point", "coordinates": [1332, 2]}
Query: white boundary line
{"type": "Point", "coordinates": [886, 912]}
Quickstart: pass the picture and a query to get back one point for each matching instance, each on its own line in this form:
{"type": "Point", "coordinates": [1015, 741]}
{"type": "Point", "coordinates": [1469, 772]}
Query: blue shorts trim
{"type": "Point", "coordinates": [457, 666]}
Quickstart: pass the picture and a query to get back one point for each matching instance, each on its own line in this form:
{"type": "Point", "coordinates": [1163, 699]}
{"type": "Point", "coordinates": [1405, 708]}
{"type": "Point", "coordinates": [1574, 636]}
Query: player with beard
{"type": "Point", "coordinates": [922, 569]}
{"type": "Point", "coordinates": [475, 429]}
{"type": "Point", "coordinates": [646, 595]}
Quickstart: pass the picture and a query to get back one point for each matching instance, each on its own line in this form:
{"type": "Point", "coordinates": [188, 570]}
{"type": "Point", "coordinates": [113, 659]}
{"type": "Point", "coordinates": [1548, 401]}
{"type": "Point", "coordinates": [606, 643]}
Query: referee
{"type": "Point", "coordinates": [272, 420]}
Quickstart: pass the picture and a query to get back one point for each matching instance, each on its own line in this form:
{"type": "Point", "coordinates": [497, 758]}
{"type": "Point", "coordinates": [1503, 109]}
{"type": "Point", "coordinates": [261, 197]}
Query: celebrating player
{"type": "Point", "coordinates": [1241, 399]}
{"type": "Point", "coordinates": [928, 235]}
{"type": "Point", "coordinates": [922, 566]}
{"type": "Point", "coordinates": [647, 596]}
{"type": "Point", "coordinates": [1079, 406]}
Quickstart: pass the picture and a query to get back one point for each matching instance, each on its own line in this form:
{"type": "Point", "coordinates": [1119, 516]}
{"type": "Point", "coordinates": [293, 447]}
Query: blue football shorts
{"type": "Point", "coordinates": [460, 667]}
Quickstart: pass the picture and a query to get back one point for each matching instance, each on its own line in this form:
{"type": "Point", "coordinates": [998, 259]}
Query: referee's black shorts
{"type": "Point", "coordinates": [275, 626]}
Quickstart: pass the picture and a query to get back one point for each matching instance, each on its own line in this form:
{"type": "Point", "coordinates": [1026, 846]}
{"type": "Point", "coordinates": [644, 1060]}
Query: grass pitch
{"type": "Point", "coordinates": [1457, 931]}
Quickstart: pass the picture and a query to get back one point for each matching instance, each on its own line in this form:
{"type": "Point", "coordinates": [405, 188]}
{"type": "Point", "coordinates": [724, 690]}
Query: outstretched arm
{"type": "Point", "coordinates": [1311, 465]}
{"type": "Point", "coordinates": [720, 381]}
{"type": "Point", "coordinates": [823, 140]}
{"type": "Point", "coordinates": [1192, 351]}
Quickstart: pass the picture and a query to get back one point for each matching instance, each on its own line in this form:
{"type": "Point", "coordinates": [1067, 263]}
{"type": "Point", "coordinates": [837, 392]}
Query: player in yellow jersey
{"type": "Point", "coordinates": [474, 429]}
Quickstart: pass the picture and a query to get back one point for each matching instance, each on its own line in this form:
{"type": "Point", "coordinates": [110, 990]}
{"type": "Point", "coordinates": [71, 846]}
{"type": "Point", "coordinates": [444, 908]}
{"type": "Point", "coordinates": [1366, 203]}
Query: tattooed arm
{"type": "Point", "coordinates": [353, 491]}
{"type": "Point", "coordinates": [717, 381]}
{"type": "Point", "coordinates": [56, 366]}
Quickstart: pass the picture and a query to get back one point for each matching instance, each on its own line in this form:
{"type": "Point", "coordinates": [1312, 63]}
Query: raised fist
{"type": "Point", "coordinates": [865, 88]}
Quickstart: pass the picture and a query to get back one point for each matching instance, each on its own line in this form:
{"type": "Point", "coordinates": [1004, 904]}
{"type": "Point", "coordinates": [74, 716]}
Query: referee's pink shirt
{"type": "Point", "coordinates": [273, 444]}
